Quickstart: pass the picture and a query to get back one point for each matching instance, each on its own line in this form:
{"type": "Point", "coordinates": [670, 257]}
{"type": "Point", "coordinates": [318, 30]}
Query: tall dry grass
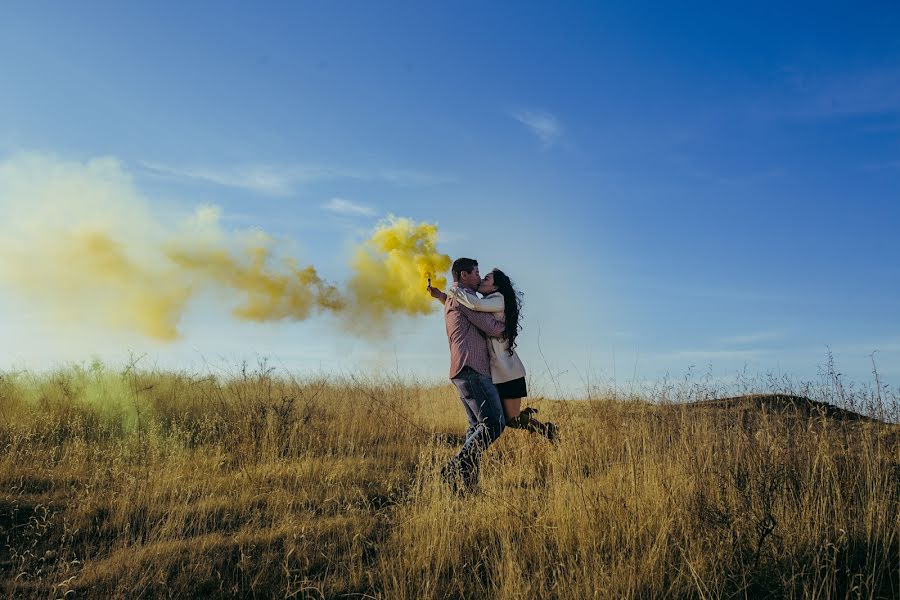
{"type": "Point", "coordinates": [160, 484]}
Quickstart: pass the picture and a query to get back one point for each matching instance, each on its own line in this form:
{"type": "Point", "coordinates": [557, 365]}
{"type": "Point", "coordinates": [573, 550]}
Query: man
{"type": "Point", "coordinates": [470, 372]}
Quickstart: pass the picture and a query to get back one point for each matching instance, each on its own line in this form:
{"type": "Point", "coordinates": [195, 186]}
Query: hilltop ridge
{"type": "Point", "coordinates": [785, 403]}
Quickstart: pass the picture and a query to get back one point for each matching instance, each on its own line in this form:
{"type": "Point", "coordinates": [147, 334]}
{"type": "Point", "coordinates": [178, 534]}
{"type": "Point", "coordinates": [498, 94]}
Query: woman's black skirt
{"type": "Point", "coordinates": [512, 389]}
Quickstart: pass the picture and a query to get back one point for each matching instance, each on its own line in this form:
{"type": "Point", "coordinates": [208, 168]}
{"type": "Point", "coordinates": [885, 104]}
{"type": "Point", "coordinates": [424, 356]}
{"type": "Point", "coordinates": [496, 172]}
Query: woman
{"type": "Point", "coordinates": [507, 371]}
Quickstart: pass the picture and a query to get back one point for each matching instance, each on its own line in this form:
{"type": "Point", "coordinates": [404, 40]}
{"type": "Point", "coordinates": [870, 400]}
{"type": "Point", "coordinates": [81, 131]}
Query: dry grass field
{"type": "Point", "coordinates": [140, 484]}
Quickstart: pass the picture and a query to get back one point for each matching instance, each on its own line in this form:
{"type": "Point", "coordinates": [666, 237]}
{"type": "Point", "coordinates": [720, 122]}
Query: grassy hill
{"type": "Point", "coordinates": [154, 484]}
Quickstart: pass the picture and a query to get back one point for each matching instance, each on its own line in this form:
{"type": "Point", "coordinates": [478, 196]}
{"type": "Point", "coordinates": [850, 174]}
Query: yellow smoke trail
{"type": "Point", "coordinates": [79, 241]}
{"type": "Point", "coordinates": [270, 292]}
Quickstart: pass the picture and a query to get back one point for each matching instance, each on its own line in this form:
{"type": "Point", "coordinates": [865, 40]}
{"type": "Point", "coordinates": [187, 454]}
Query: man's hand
{"type": "Point", "coordinates": [436, 293]}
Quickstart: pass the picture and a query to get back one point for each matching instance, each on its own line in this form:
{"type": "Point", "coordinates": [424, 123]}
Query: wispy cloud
{"type": "Point", "coordinates": [882, 166]}
{"type": "Point", "coordinates": [867, 348]}
{"type": "Point", "coordinates": [346, 208]}
{"type": "Point", "coordinates": [546, 126]}
{"type": "Point", "coordinates": [407, 178]}
{"type": "Point", "coordinates": [889, 127]}
{"type": "Point", "coordinates": [753, 338]}
{"type": "Point", "coordinates": [707, 293]}
{"type": "Point", "coordinates": [732, 179]}
{"type": "Point", "coordinates": [874, 91]}
{"type": "Point", "coordinates": [264, 179]}
{"type": "Point", "coordinates": [450, 237]}
{"type": "Point", "coordinates": [710, 355]}
{"type": "Point", "coordinates": [870, 92]}
{"type": "Point", "coordinates": [282, 180]}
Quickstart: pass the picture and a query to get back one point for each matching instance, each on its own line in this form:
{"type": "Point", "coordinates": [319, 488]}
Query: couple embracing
{"type": "Point", "coordinates": [484, 365]}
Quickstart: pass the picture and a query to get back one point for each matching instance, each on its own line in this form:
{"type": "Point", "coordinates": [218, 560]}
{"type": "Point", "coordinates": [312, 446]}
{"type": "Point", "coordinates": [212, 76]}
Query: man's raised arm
{"type": "Point", "coordinates": [437, 294]}
{"type": "Point", "coordinates": [484, 321]}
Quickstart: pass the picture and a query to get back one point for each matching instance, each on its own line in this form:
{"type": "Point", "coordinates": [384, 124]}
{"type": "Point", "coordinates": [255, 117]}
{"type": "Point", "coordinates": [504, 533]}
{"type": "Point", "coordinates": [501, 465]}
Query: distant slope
{"type": "Point", "coordinates": [784, 404]}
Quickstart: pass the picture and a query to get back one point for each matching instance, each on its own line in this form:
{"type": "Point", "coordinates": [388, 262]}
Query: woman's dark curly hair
{"type": "Point", "coordinates": [512, 307]}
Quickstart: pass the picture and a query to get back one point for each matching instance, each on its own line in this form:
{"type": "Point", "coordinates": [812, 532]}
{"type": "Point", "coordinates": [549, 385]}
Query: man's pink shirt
{"type": "Point", "coordinates": [466, 331]}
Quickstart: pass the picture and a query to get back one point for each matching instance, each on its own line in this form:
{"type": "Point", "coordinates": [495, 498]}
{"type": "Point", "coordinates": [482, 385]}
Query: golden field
{"type": "Point", "coordinates": [146, 484]}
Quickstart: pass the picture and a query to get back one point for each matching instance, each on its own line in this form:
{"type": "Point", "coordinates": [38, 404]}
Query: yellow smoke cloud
{"type": "Point", "coordinates": [97, 269]}
{"type": "Point", "coordinates": [77, 242]}
{"type": "Point", "coordinates": [391, 270]}
{"type": "Point", "coordinates": [80, 242]}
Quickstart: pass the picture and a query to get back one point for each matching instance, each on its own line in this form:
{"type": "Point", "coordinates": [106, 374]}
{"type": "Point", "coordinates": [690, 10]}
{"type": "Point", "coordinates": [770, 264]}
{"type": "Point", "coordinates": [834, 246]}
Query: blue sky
{"type": "Point", "coordinates": [701, 186]}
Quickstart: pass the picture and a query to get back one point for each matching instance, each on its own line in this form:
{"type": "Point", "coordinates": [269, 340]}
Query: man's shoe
{"type": "Point", "coordinates": [462, 482]}
{"type": "Point", "coordinates": [456, 479]}
{"type": "Point", "coordinates": [551, 432]}
{"type": "Point", "coordinates": [450, 475]}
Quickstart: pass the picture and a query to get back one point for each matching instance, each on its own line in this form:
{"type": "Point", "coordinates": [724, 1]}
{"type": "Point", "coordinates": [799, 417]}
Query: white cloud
{"type": "Point", "coordinates": [543, 124]}
{"type": "Point", "coordinates": [347, 208]}
{"type": "Point", "coordinates": [282, 180]}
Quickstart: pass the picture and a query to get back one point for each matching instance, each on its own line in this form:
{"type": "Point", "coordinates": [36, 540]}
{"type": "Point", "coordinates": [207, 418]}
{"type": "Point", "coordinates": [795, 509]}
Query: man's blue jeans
{"type": "Point", "coordinates": [485, 414]}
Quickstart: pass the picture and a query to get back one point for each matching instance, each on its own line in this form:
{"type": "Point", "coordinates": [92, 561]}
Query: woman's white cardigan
{"type": "Point", "coordinates": [503, 366]}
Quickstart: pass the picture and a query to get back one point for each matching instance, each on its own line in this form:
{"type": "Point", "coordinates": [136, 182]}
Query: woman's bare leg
{"type": "Point", "coordinates": [512, 407]}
